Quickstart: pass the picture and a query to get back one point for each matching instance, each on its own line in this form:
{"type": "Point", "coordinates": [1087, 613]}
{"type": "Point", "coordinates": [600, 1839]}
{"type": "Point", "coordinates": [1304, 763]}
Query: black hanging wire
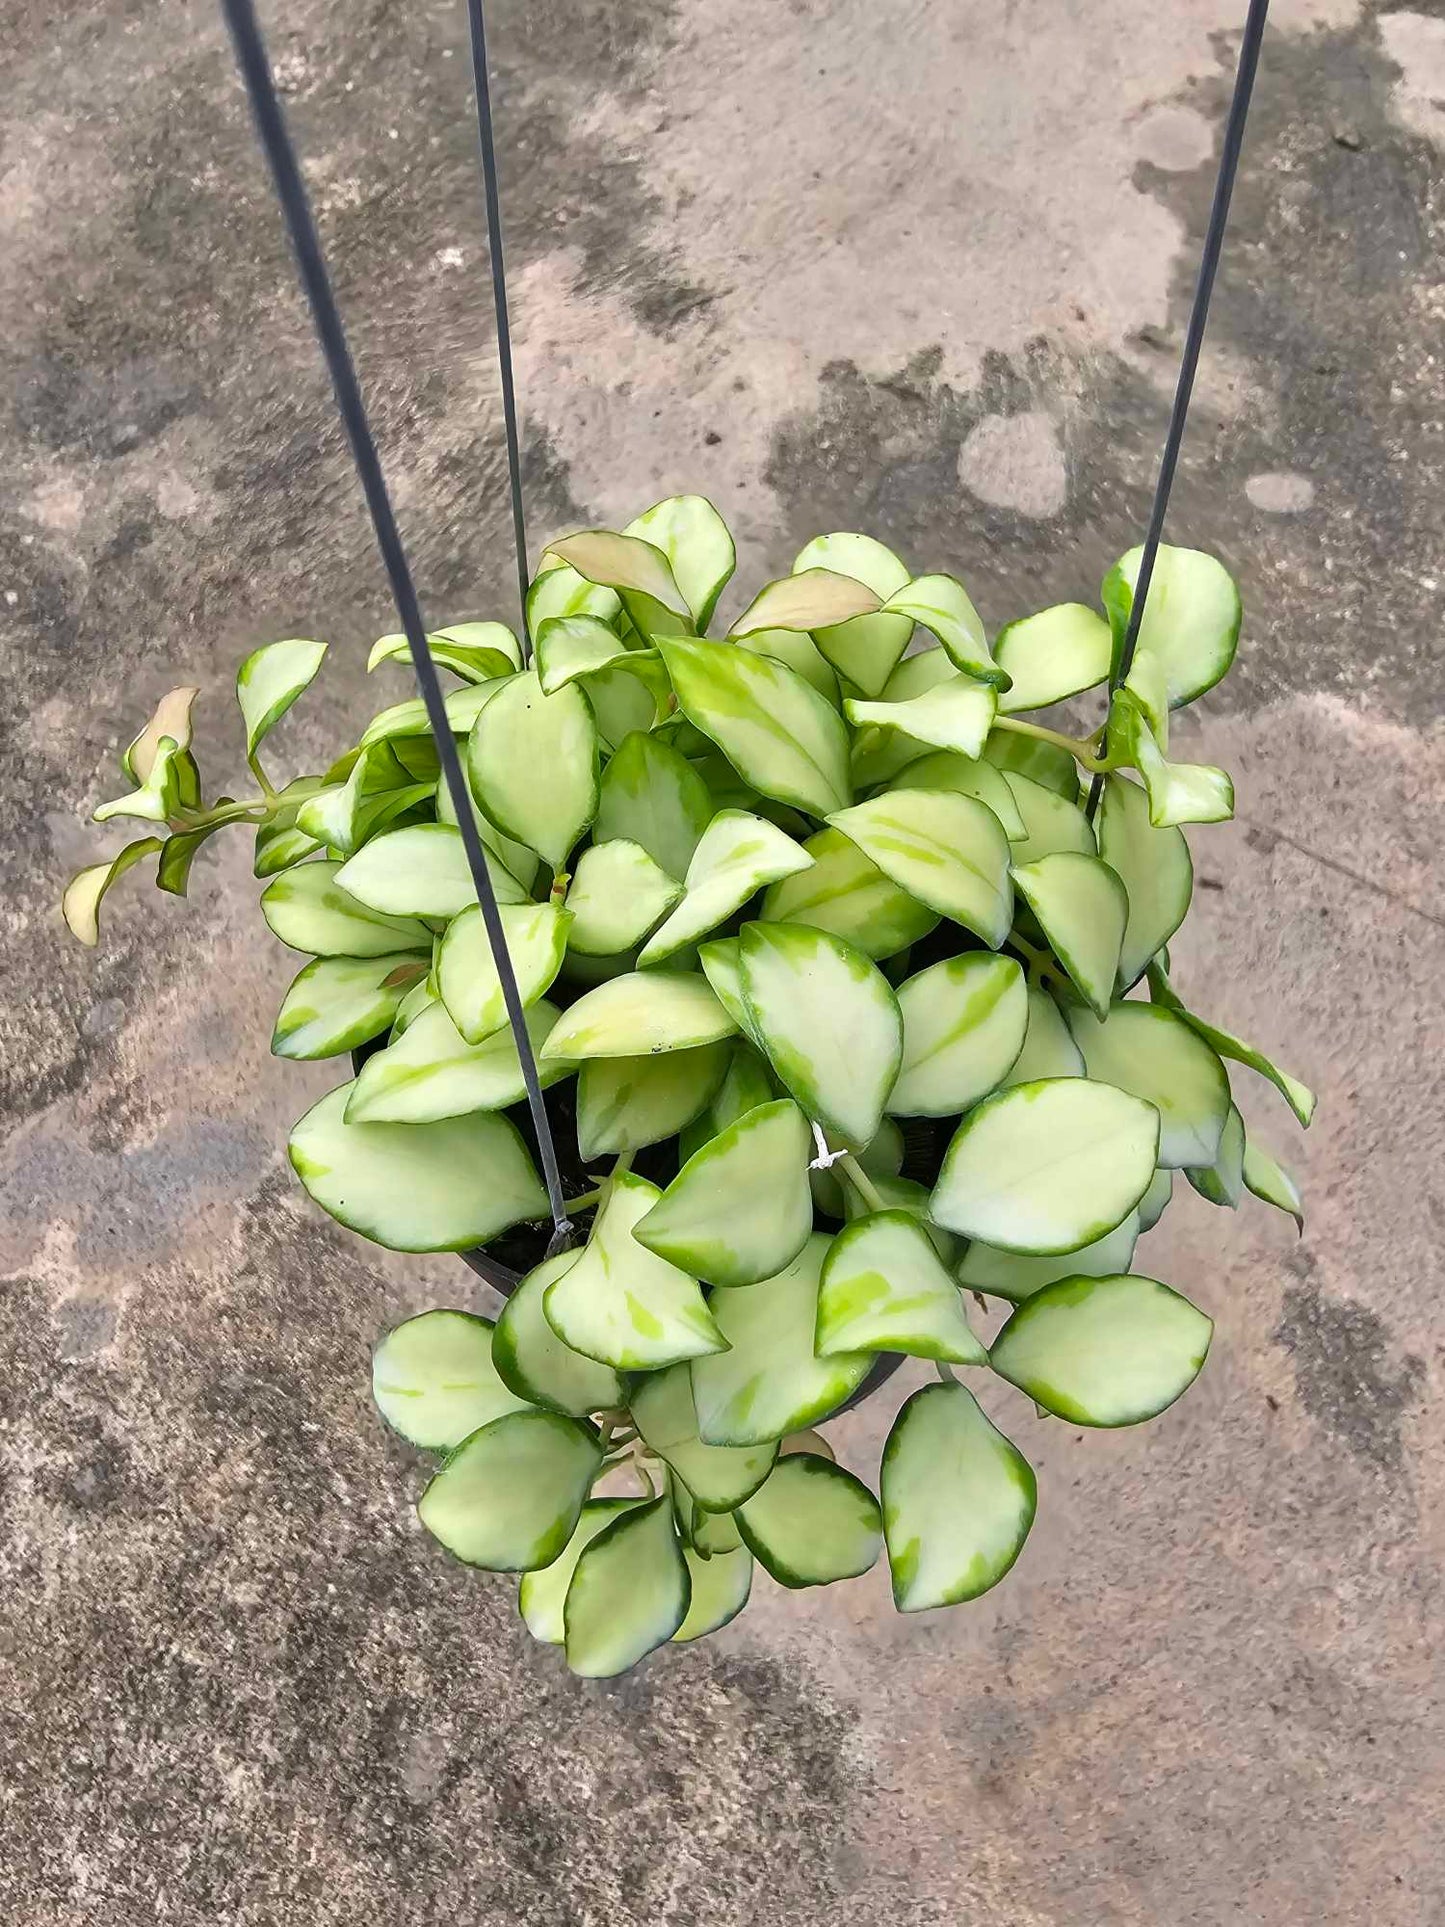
{"type": "Point", "coordinates": [281, 159]}
{"type": "Point", "coordinates": [477, 20]}
{"type": "Point", "coordinates": [1193, 342]}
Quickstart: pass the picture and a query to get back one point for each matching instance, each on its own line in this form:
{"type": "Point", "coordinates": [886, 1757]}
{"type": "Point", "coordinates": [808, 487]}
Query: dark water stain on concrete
{"type": "Point", "coordinates": [1345, 1375]}
{"type": "Point", "coordinates": [1329, 301]}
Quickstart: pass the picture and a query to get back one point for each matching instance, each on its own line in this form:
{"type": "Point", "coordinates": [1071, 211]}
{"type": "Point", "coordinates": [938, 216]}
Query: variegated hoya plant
{"type": "Point", "coordinates": [854, 1015]}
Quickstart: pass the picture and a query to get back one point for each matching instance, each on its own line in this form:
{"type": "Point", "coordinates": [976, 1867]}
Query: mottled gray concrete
{"type": "Point", "coordinates": [815, 259]}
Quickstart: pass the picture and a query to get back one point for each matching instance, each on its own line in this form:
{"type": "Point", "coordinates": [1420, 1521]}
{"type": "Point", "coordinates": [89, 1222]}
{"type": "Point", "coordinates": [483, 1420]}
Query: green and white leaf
{"type": "Point", "coordinates": [514, 857]}
{"type": "Point", "coordinates": [270, 680]}
{"type": "Point", "coordinates": [1008, 1274]}
{"type": "Point", "coordinates": [940, 604]}
{"type": "Point", "coordinates": [1191, 619]}
{"type": "Point", "coordinates": [478, 652]}
{"type": "Point", "coordinates": [617, 894]}
{"type": "Point", "coordinates": [308, 910]}
{"type": "Point", "coordinates": [542, 1594]}
{"type": "Point", "coordinates": [536, 1364]}
{"type": "Point", "coordinates": [745, 1084]}
{"type": "Point", "coordinates": [1299, 1097]}
{"type": "Point", "coordinates": [626, 1103]}
{"type": "Point", "coordinates": [865, 647]}
{"type": "Point", "coordinates": [956, 714]}
{"type": "Point", "coordinates": [338, 1003]}
{"type": "Point", "coordinates": [884, 1289]}
{"type": "Point", "coordinates": [466, 972]}
{"type": "Point", "coordinates": [1047, 1167]}
{"type": "Point", "coordinates": [410, 719]}
{"type": "Point", "coordinates": [1222, 1182]}
{"type": "Point", "coordinates": [880, 755]}
{"type": "Point", "coordinates": [430, 1071]}
{"type": "Point", "coordinates": [622, 1304]}
{"type": "Point", "coordinates": [1178, 792]}
{"type": "Point", "coordinates": [1156, 869]}
{"type": "Point", "coordinates": [433, 1380]}
{"type": "Point", "coordinates": [797, 649]}
{"type": "Point", "coordinates": [845, 893]}
{"type": "Point", "coordinates": [964, 1022]}
{"type": "Point", "coordinates": [652, 795]}
{"type": "Point", "coordinates": [625, 698]}
{"type": "Point", "coordinates": [629, 1594]}
{"type": "Point", "coordinates": [812, 1523]}
{"type": "Point", "coordinates": [421, 871]}
{"type": "Point", "coordinates": [1153, 1204]}
{"type": "Point", "coordinates": [377, 788]}
{"type": "Point", "coordinates": [162, 791]}
{"type": "Point", "coordinates": [86, 890]}
{"type": "Point", "coordinates": [719, 1477]}
{"type": "Point", "coordinates": [947, 850]}
{"type": "Point", "coordinates": [573, 646]}
{"type": "Point", "coordinates": [698, 548]}
{"type": "Point", "coordinates": [738, 854]}
{"type": "Point", "coordinates": [417, 1187]}
{"type": "Point", "coordinates": [828, 1021]}
{"type": "Point", "coordinates": [1103, 1351]}
{"type": "Point", "coordinates": [1082, 908]}
{"type": "Point", "coordinates": [560, 591]}
{"type": "Point", "coordinates": [510, 1496]}
{"type": "Point", "coordinates": [740, 1209]}
{"type": "Point", "coordinates": [770, 1382]}
{"type": "Point", "coordinates": [1155, 1055]}
{"type": "Point", "coordinates": [721, 1583]}
{"type": "Point", "coordinates": [1044, 763]}
{"type": "Point", "coordinates": [781, 736]}
{"type": "Point", "coordinates": [1058, 653]}
{"type": "Point", "coordinates": [1049, 1049]}
{"type": "Point", "coordinates": [944, 770]}
{"type": "Point", "coordinates": [521, 734]}
{"type": "Point", "coordinates": [958, 1500]}
{"type": "Point", "coordinates": [711, 1534]}
{"type": "Point", "coordinates": [639, 1014]}
{"type": "Point", "coordinates": [1268, 1180]}
{"type": "Point", "coordinates": [1051, 825]}
{"type": "Point", "coordinates": [721, 962]}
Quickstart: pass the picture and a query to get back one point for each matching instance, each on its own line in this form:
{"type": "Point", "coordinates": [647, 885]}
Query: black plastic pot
{"type": "Point", "coordinates": [527, 1244]}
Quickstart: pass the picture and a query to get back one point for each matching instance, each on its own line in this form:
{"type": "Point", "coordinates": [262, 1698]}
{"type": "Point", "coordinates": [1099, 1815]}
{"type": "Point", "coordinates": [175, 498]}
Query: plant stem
{"type": "Point", "coordinates": [945, 1372]}
{"type": "Point", "coordinates": [1082, 752]}
{"type": "Point", "coordinates": [861, 1182]}
{"type": "Point", "coordinates": [587, 1200]}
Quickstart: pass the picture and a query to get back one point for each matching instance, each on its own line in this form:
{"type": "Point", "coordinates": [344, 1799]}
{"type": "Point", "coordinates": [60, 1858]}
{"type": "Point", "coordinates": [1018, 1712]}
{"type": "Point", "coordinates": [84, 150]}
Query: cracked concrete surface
{"type": "Point", "coordinates": [917, 270]}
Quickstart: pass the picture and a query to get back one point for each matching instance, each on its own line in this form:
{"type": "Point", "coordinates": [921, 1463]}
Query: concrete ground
{"type": "Point", "coordinates": [915, 269]}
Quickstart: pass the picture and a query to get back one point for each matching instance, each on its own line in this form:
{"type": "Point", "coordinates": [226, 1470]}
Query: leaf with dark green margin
{"type": "Point", "coordinates": [866, 647]}
{"type": "Point", "coordinates": [1191, 619]}
{"type": "Point", "coordinates": [629, 1594]}
{"type": "Point", "coordinates": [940, 604]}
{"type": "Point", "coordinates": [846, 894]}
{"type": "Point", "coordinates": [738, 855]}
{"type": "Point", "coordinates": [827, 1020]}
{"type": "Point", "coordinates": [542, 1594]}
{"type": "Point", "coordinates": [622, 1304]}
{"type": "Point", "coordinates": [433, 1380]}
{"type": "Point", "coordinates": [86, 889]}
{"type": "Point", "coordinates": [650, 794]}
{"type": "Point", "coordinates": [719, 1477]}
{"type": "Point", "coordinates": [1047, 1167]}
{"type": "Point", "coordinates": [270, 680]}
{"type": "Point", "coordinates": [1154, 1054]}
{"type": "Point", "coordinates": [964, 1022]}
{"type": "Point", "coordinates": [1082, 908]}
{"type": "Point", "coordinates": [627, 1103]}
{"type": "Point", "coordinates": [466, 971]}
{"type": "Point", "coordinates": [422, 871]}
{"type": "Point", "coordinates": [338, 1003]}
{"type": "Point", "coordinates": [510, 1496]}
{"type": "Point", "coordinates": [697, 545]}
{"type": "Point", "coordinates": [1269, 1181]}
{"type": "Point", "coordinates": [884, 1289]}
{"type": "Point", "coordinates": [812, 1523]}
{"type": "Point", "coordinates": [534, 1362]}
{"type": "Point", "coordinates": [617, 894]}
{"type": "Point", "coordinates": [417, 1187]}
{"type": "Point", "coordinates": [1222, 1182]}
{"type": "Point", "coordinates": [1156, 869]}
{"type": "Point", "coordinates": [1299, 1097]}
{"type": "Point", "coordinates": [958, 1500]}
{"type": "Point", "coordinates": [638, 1015]}
{"type": "Point", "coordinates": [1058, 653]}
{"type": "Point", "coordinates": [1103, 1351]}
{"type": "Point", "coordinates": [770, 1382]}
{"type": "Point", "coordinates": [430, 1071]}
{"type": "Point", "coordinates": [947, 850]}
{"type": "Point", "coordinates": [520, 733]}
{"type": "Point", "coordinates": [721, 1583]}
{"type": "Point", "coordinates": [740, 1209]}
{"type": "Point", "coordinates": [944, 770]}
{"type": "Point", "coordinates": [781, 736]}
{"type": "Point", "coordinates": [308, 910]}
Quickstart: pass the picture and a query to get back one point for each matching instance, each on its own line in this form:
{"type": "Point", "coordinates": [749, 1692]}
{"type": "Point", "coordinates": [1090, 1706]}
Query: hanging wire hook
{"type": "Point", "coordinates": [1193, 341]}
{"type": "Point", "coordinates": [476, 19]}
{"type": "Point", "coordinates": [290, 192]}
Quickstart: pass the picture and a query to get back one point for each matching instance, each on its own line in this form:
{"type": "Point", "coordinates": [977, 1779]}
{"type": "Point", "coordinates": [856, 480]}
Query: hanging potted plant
{"type": "Point", "coordinates": [845, 998]}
